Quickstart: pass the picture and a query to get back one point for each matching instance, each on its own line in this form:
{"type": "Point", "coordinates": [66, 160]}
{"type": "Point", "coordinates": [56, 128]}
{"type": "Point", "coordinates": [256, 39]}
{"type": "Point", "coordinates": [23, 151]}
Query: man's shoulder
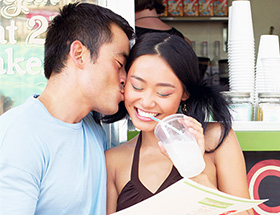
{"type": "Point", "coordinates": [93, 127]}
{"type": "Point", "coordinates": [21, 113]}
{"type": "Point", "coordinates": [89, 121]}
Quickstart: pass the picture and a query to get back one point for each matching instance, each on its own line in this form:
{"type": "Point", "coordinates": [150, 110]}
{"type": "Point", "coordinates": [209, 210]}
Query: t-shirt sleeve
{"type": "Point", "coordinates": [20, 171]}
{"type": "Point", "coordinates": [18, 191]}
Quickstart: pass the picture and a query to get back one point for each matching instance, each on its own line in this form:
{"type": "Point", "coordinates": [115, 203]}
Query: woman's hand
{"type": "Point", "coordinates": [195, 128]}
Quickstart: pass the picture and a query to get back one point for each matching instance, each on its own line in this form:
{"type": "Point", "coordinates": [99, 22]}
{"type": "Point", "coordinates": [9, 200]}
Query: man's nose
{"type": "Point", "coordinates": [122, 77]}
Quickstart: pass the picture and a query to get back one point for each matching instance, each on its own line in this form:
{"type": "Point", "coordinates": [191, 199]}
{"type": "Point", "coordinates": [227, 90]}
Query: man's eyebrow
{"type": "Point", "coordinates": [158, 84]}
{"type": "Point", "coordinates": [123, 54]}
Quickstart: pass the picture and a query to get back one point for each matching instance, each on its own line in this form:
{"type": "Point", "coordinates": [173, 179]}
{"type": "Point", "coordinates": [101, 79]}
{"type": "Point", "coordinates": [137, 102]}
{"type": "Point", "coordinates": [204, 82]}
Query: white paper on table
{"type": "Point", "coordinates": [187, 197]}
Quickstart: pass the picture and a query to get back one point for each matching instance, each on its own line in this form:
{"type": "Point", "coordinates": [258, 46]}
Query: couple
{"type": "Point", "coordinates": [52, 146]}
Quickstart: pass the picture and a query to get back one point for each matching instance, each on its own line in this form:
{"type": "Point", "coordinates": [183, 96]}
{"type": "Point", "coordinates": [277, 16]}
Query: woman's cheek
{"type": "Point", "coordinates": [128, 97]}
{"type": "Point", "coordinates": [126, 93]}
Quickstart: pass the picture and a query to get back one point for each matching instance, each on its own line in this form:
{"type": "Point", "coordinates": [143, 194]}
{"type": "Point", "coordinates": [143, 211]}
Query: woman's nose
{"type": "Point", "coordinates": [147, 100]}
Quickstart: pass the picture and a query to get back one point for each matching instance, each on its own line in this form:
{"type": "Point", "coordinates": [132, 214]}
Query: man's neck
{"type": "Point", "coordinates": [64, 104]}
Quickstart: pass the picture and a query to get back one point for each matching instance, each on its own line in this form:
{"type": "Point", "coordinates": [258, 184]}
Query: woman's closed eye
{"type": "Point", "coordinates": [136, 87]}
{"type": "Point", "coordinates": [163, 94]}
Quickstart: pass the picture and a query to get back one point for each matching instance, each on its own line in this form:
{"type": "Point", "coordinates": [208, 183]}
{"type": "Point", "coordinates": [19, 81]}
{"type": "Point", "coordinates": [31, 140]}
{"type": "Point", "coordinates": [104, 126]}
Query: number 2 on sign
{"type": "Point", "coordinates": [40, 25]}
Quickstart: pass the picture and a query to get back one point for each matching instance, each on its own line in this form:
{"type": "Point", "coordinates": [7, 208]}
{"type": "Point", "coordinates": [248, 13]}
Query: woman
{"type": "Point", "coordinates": [163, 78]}
{"type": "Point", "coordinates": [147, 19]}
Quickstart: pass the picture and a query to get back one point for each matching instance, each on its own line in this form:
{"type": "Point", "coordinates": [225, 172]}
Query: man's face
{"type": "Point", "coordinates": [105, 77]}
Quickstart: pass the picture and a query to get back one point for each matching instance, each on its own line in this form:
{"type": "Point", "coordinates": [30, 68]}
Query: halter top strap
{"type": "Point", "coordinates": [135, 168]}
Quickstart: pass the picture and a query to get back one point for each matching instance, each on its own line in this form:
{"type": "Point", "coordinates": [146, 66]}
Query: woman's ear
{"type": "Point", "coordinates": [77, 53]}
{"type": "Point", "coordinates": [185, 96]}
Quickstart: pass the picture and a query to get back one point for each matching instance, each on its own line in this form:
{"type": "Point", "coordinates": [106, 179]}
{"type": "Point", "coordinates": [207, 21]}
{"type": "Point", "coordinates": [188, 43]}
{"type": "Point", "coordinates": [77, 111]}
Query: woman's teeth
{"type": "Point", "coordinates": [145, 114]}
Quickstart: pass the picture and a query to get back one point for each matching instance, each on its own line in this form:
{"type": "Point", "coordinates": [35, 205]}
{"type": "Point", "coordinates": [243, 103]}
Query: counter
{"type": "Point", "coordinates": [252, 136]}
{"type": "Point", "coordinates": [260, 143]}
{"type": "Point", "coordinates": [258, 136]}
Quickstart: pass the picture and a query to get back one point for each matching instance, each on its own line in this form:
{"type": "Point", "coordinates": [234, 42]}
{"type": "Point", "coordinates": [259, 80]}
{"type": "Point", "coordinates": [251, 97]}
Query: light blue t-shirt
{"type": "Point", "coordinates": [49, 167]}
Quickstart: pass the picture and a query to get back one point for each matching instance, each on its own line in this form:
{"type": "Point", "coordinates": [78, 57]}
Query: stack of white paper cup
{"type": "Point", "coordinates": [241, 47]}
{"type": "Point", "coordinates": [267, 66]}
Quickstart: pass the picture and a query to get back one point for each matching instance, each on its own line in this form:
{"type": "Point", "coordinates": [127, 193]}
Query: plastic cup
{"type": "Point", "coordinates": [271, 69]}
{"type": "Point", "coordinates": [268, 47]}
{"type": "Point", "coordinates": [180, 145]}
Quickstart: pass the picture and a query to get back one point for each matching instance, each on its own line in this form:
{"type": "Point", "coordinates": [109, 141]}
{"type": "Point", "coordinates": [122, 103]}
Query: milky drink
{"type": "Point", "coordinates": [180, 145]}
{"type": "Point", "coordinates": [186, 157]}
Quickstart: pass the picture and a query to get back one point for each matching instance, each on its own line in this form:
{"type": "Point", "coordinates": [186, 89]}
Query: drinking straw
{"type": "Point", "coordinates": [169, 126]}
{"type": "Point", "coordinates": [156, 119]}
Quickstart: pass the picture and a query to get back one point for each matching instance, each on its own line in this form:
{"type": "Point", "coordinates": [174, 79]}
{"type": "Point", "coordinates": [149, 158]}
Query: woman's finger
{"type": "Point", "coordinates": [196, 129]}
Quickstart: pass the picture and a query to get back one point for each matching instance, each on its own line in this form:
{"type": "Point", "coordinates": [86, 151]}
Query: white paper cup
{"type": "Point", "coordinates": [229, 22]}
{"type": "Point", "coordinates": [241, 21]}
{"type": "Point", "coordinates": [180, 145]}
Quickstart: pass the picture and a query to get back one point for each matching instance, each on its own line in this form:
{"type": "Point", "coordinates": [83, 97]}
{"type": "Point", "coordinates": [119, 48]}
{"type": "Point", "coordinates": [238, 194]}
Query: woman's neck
{"type": "Point", "coordinates": [146, 13]}
{"type": "Point", "coordinates": [149, 139]}
{"type": "Point", "coordinates": [149, 19]}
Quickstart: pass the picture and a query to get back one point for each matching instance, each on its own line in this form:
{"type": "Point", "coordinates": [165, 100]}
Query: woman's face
{"type": "Point", "coordinates": [152, 89]}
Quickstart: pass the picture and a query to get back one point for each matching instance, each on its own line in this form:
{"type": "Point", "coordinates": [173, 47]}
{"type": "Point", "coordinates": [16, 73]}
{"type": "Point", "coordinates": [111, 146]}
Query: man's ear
{"type": "Point", "coordinates": [185, 96]}
{"type": "Point", "coordinates": [77, 53]}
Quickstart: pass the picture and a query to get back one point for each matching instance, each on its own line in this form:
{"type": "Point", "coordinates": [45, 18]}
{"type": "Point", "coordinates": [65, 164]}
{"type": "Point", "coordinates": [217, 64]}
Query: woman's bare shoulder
{"type": "Point", "coordinates": [213, 134]}
{"type": "Point", "coordinates": [123, 150]}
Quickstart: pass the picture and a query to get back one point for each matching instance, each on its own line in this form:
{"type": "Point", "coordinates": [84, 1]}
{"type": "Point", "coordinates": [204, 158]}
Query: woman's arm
{"type": "Point", "coordinates": [231, 169]}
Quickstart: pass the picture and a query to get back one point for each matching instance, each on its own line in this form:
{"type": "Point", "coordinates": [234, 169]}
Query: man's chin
{"type": "Point", "coordinates": [113, 109]}
{"type": "Point", "coordinates": [110, 111]}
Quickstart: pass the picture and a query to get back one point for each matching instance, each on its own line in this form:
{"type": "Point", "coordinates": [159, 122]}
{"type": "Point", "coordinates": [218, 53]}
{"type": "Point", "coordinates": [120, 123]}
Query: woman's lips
{"type": "Point", "coordinates": [144, 115]}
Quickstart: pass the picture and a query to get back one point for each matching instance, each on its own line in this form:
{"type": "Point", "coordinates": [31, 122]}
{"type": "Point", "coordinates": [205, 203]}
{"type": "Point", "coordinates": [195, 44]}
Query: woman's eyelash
{"type": "Point", "coordinates": [160, 94]}
{"type": "Point", "coordinates": [164, 95]}
{"type": "Point", "coordinates": [136, 88]}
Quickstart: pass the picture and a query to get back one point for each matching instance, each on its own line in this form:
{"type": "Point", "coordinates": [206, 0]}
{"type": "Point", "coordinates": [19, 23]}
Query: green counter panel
{"type": "Point", "coordinates": [259, 140]}
{"type": "Point", "coordinates": [249, 140]}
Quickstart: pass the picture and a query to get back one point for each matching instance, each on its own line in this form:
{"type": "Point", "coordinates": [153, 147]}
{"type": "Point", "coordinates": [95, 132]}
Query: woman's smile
{"type": "Point", "coordinates": [145, 115]}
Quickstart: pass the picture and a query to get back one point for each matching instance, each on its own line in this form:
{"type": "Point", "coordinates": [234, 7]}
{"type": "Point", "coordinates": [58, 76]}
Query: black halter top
{"type": "Point", "coordinates": [134, 191]}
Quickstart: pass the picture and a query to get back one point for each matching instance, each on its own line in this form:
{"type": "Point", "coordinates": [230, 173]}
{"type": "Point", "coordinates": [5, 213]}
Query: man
{"type": "Point", "coordinates": [51, 148]}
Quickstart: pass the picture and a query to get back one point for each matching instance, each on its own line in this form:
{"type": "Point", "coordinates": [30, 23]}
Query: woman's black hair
{"type": "Point", "coordinates": [204, 100]}
{"type": "Point", "coordinates": [149, 4]}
